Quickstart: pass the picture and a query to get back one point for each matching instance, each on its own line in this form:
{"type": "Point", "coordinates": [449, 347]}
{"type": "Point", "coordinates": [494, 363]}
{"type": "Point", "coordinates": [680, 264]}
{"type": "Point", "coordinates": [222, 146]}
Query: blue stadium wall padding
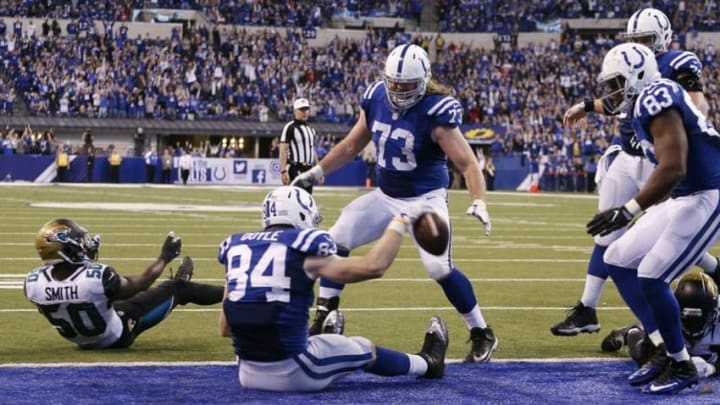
{"type": "Point", "coordinates": [509, 170]}
{"type": "Point", "coordinates": [24, 167]}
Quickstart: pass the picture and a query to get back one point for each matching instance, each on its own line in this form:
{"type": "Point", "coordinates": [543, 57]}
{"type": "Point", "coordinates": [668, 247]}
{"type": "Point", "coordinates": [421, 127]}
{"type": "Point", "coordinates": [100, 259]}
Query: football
{"type": "Point", "coordinates": [431, 233]}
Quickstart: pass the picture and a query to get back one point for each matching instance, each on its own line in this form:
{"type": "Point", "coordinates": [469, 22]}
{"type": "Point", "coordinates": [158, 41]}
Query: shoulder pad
{"type": "Point", "coordinates": [314, 242]}
{"type": "Point", "coordinates": [446, 111]}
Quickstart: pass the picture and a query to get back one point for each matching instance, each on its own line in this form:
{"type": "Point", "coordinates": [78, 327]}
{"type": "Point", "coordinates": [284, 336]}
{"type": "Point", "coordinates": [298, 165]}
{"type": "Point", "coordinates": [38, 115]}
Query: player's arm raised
{"type": "Point", "coordinates": [371, 265]}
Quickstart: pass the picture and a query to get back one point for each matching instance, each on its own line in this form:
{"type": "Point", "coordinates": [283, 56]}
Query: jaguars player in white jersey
{"type": "Point", "coordinates": [269, 291]}
{"type": "Point", "coordinates": [697, 296]}
{"type": "Point", "coordinates": [625, 171]}
{"type": "Point", "coordinates": [413, 122]}
{"type": "Point", "coordinates": [92, 305]}
{"type": "Point", "coordinates": [682, 199]}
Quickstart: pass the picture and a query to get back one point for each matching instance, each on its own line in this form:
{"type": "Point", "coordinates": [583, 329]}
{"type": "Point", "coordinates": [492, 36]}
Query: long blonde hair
{"type": "Point", "coordinates": [435, 87]}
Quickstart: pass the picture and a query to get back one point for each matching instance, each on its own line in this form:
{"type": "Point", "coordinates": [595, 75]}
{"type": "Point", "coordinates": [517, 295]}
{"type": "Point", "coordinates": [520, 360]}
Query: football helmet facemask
{"type": "Point", "coordinates": [64, 240]}
{"type": "Point", "coordinates": [291, 206]}
{"type": "Point", "coordinates": [697, 295]}
{"type": "Point", "coordinates": [406, 75]}
{"type": "Point", "coordinates": [649, 27]}
{"type": "Point", "coordinates": [626, 70]}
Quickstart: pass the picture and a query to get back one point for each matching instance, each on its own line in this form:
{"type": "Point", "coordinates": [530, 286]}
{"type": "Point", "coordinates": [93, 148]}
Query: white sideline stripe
{"type": "Point", "coordinates": [207, 259]}
{"type": "Point", "coordinates": [21, 277]}
{"type": "Point", "coordinates": [501, 245]}
{"type": "Point", "coordinates": [232, 363]}
{"type": "Point", "coordinates": [386, 309]}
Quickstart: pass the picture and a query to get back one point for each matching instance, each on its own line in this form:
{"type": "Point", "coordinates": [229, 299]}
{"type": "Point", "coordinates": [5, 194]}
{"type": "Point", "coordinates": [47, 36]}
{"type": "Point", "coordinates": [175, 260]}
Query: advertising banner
{"type": "Point", "coordinates": [232, 171]}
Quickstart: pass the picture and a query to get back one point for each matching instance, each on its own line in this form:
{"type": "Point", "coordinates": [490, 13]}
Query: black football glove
{"type": "Point", "coordinates": [608, 221]}
{"type": "Point", "coordinates": [171, 247]}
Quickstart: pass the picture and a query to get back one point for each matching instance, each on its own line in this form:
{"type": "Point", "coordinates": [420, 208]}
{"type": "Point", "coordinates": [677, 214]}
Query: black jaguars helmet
{"type": "Point", "coordinates": [697, 295]}
{"type": "Point", "coordinates": [64, 240]}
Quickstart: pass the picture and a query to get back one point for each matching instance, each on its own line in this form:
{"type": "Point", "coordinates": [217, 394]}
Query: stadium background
{"type": "Point", "coordinates": [217, 70]}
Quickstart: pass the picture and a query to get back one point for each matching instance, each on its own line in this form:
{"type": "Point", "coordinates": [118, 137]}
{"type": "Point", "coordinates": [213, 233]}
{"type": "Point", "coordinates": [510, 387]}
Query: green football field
{"type": "Point", "coordinates": [525, 275]}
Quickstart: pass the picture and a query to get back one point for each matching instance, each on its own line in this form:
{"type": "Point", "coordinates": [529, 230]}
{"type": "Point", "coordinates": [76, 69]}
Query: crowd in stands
{"type": "Point", "coordinates": [522, 16]}
{"type": "Point", "coordinates": [523, 93]}
{"type": "Point", "coordinates": [278, 13]}
{"type": "Point", "coordinates": [27, 141]}
{"type": "Point", "coordinates": [231, 73]}
{"type": "Point", "coordinates": [455, 15]}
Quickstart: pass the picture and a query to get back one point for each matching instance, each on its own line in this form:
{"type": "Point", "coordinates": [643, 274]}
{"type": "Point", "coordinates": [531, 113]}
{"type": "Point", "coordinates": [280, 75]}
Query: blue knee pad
{"type": "Point", "coordinates": [597, 266]}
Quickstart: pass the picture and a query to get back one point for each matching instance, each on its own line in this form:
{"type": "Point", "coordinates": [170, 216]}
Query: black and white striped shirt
{"type": "Point", "coordinates": [300, 138]}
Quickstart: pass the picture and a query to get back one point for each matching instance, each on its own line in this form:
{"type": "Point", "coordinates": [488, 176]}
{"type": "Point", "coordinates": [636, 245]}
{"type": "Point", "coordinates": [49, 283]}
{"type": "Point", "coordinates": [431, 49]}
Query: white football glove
{"type": "Point", "coordinates": [478, 209]}
{"type": "Point", "coordinates": [308, 178]}
{"type": "Point", "coordinates": [704, 368]}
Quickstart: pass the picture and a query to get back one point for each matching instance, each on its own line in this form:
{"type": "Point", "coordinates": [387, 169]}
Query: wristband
{"type": "Point", "coordinates": [589, 105]}
{"type": "Point", "coordinates": [633, 207]}
{"type": "Point", "coordinates": [398, 225]}
{"type": "Point", "coordinates": [317, 171]}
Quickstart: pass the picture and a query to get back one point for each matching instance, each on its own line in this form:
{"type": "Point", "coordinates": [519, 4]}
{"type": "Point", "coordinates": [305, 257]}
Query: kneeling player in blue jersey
{"type": "Point", "coordinates": [682, 199]}
{"type": "Point", "coordinates": [269, 291]}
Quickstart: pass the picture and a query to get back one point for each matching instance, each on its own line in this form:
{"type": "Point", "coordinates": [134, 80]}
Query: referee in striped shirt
{"type": "Point", "coordinates": [297, 144]}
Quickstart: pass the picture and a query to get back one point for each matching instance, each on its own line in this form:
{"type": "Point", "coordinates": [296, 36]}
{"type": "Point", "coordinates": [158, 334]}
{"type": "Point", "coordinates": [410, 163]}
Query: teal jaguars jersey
{"type": "Point", "coordinates": [409, 162]}
{"type": "Point", "coordinates": [703, 159]}
{"type": "Point", "coordinates": [269, 295]}
{"type": "Point", "coordinates": [80, 306]}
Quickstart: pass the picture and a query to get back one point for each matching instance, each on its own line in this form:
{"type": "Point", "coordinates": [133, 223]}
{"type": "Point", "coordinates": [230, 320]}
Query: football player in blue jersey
{"type": "Point", "coordinates": [414, 122]}
{"type": "Point", "coordinates": [93, 306]}
{"type": "Point", "coordinates": [682, 199]}
{"type": "Point", "coordinates": [269, 291]}
{"type": "Point", "coordinates": [622, 173]}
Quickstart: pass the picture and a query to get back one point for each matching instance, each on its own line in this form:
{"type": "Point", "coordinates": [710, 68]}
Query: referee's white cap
{"type": "Point", "coordinates": [301, 103]}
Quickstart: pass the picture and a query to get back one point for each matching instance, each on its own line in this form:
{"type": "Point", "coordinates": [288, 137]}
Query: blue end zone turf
{"type": "Point", "coordinates": [597, 382]}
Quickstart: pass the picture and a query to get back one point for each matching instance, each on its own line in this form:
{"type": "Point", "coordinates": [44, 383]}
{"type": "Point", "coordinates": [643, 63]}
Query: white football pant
{"type": "Point", "coordinates": [626, 175]}
{"type": "Point", "coordinates": [327, 358]}
{"type": "Point", "coordinates": [365, 219]}
{"type": "Point", "coordinates": [670, 237]}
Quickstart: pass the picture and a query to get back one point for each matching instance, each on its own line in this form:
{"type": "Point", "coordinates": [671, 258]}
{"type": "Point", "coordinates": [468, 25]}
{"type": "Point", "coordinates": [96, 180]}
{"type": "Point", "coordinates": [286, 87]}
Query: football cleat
{"type": "Point", "coordinates": [615, 340]}
{"type": "Point", "coordinates": [484, 343]}
{"type": "Point", "coordinates": [651, 368]}
{"type": "Point", "coordinates": [324, 306]}
{"type": "Point", "coordinates": [639, 346]}
{"type": "Point", "coordinates": [185, 270]}
{"type": "Point", "coordinates": [334, 323]}
{"type": "Point", "coordinates": [676, 376]}
{"type": "Point", "coordinates": [580, 319]}
{"type": "Point", "coordinates": [434, 348]}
